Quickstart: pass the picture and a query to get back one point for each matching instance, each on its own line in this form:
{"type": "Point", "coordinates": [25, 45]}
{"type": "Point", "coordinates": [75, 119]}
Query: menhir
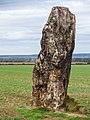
{"type": "Point", "coordinates": [52, 68]}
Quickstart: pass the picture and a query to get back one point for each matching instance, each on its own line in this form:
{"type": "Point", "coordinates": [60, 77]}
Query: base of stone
{"type": "Point", "coordinates": [71, 106]}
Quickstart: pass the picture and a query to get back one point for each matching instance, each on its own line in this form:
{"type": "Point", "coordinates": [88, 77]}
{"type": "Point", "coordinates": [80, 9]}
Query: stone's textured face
{"type": "Point", "coordinates": [52, 68]}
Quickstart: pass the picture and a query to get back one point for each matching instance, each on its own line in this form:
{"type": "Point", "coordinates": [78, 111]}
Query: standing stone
{"type": "Point", "coordinates": [52, 68]}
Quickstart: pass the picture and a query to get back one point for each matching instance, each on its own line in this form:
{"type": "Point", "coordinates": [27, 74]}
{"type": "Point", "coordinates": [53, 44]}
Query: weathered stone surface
{"type": "Point", "coordinates": [52, 68]}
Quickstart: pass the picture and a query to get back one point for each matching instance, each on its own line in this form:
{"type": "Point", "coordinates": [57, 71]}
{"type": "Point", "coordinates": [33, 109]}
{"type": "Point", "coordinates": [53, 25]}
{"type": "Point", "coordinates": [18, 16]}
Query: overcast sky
{"type": "Point", "coordinates": [21, 23]}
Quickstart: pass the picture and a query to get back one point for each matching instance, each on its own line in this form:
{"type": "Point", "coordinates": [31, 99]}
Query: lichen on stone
{"type": "Point", "coordinates": [52, 68]}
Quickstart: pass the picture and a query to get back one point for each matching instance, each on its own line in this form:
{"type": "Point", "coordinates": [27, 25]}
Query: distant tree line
{"type": "Point", "coordinates": [75, 60]}
{"type": "Point", "coordinates": [17, 59]}
{"type": "Point", "coordinates": [87, 60]}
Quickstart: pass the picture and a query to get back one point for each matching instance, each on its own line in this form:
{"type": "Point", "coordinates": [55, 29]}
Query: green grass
{"type": "Point", "coordinates": [39, 113]}
{"type": "Point", "coordinates": [15, 93]}
{"type": "Point", "coordinates": [79, 84]}
{"type": "Point", "coordinates": [15, 79]}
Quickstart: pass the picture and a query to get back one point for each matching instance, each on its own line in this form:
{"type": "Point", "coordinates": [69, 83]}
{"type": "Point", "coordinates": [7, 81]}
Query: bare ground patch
{"type": "Point", "coordinates": [11, 102]}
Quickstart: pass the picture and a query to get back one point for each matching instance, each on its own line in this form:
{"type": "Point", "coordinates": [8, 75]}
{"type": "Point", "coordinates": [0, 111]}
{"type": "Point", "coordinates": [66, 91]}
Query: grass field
{"type": "Point", "coordinates": [15, 93]}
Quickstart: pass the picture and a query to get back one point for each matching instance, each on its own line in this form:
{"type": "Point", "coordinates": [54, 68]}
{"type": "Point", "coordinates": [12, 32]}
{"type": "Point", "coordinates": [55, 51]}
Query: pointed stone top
{"type": "Point", "coordinates": [57, 10]}
{"type": "Point", "coordinates": [58, 7]}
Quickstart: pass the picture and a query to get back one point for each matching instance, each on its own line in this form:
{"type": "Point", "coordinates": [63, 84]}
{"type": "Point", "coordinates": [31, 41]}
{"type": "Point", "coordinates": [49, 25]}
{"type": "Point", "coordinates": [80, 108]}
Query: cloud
{"type": "Point", "coordinates": [74, 3]}
{"type": "Point", "coordinates": [19, 35]}
{"type": "Point", "coordinates": [22, 13]}
{"type": "Point", "coordinates": [19, 47]}
{"type": "Point", "coordinates": [15, 35]}
{"type": "Point", "coordinates": [22, 21]}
